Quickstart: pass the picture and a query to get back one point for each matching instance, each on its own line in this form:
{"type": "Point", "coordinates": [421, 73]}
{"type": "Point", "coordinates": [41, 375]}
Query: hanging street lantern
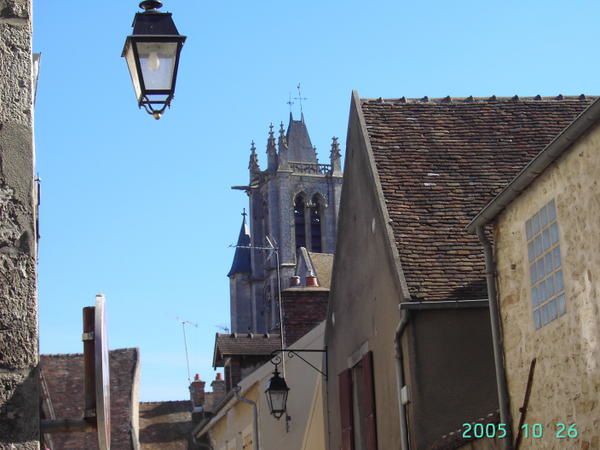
{"type": "Point", "coordinates": [152, 55]}
{"type": "Point", "coordinates": [277, 393]}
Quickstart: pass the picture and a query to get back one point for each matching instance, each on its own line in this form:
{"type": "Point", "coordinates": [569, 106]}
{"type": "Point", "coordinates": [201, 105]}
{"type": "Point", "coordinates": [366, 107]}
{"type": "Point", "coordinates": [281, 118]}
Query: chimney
{"type": "Point", "coordinates": [197, 393]}
{"type": "Point", "coordinates": [294, 281]}
{"type": "Point", "coordinates": [218, 389]}
{"type": "Point", "coordinates": [311, 280]}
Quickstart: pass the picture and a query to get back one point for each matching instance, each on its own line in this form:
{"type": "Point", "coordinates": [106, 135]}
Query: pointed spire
{"type": "Point", "coordinates": [283, 148]}
{"type": "Point", "coordinates": [271, 150]}
{"type": "Point", "coordinates": [253, 164]}
{"type": "Point", "coordinates": [241, 259]}
{"type": "Point", "coordinates": [335, 157]}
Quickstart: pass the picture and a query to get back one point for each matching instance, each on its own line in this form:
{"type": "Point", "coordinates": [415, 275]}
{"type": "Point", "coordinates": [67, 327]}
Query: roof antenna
{"type": "Point", "coordinates": [187, 359]}
{"type": "Point", "coordinates": [300, 98]}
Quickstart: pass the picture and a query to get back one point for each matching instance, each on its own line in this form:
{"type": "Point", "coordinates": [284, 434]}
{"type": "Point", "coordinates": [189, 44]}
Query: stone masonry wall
{"type": "Point", "coordinates": [566, 385]}
{"type": "Point", "coordinates": [19, 391]}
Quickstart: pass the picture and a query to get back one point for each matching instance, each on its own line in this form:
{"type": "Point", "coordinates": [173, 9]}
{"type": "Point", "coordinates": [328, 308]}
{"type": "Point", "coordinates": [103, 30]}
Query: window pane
{"type": "Point", "coordinates": [550, 286]}
{"type": "Point", "coordinates": [548, 263]}
{"type": "Point", "coordinates": [543, 217]}
{"type": "Point", "coordinates": [537, 244]}
{"type": "Point", "coordinates": [546, 239]}
{"type": "Point", "coordinates": [559, 281]}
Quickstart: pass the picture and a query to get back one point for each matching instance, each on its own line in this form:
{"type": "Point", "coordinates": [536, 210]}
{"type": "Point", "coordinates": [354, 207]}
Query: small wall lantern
{"type": "Point", "coordinates": [152, 55]}
{"type": "Point", "coordinates": [277, 394]}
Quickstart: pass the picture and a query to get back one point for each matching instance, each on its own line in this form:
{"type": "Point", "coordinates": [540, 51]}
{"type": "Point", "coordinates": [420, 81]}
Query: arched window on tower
{"type": "Point", "coordinates": [299, 221]}
{"type": "Point", "coordinates": [316, 208]}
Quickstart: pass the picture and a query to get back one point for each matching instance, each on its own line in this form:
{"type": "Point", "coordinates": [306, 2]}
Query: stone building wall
{"type": "Point", "coordinates": [19, 382]}
{"type": "Point", "coordinates": [566, 385]}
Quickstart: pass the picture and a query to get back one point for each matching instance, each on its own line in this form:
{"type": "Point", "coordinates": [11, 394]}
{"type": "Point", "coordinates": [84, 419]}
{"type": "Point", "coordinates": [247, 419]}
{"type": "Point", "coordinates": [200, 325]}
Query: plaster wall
{"type": "Point", "coordinates": [305, 407]}
{"type": "Point", "coordinates": [19, 383]}
{"type": "Point", "coordinates": [364, 297]}
{"type": "Point", "coordinates": [566, 385]}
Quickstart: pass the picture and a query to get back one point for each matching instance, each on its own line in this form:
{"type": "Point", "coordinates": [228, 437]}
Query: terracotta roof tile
{"type": "Point", "coordinates": [64, 378]}
{"type": "Point", "coordinates": [440, 161]}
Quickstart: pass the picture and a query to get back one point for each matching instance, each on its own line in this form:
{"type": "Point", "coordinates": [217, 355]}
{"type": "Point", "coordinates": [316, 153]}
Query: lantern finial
{"type": "Point", "coordinates": [150, 5]}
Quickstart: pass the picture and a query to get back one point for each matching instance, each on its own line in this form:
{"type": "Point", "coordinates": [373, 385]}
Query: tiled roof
{"type": "Point", "coordinates": [64, 378]}
{"type": "Point", "coordinates": [439, 162]}
{"type": "Point", "coordinates": [248, 344]}
{"type": "Point", "coordinates": [165, 425]}
{"type": "Point", "coordinates": [241, 259]}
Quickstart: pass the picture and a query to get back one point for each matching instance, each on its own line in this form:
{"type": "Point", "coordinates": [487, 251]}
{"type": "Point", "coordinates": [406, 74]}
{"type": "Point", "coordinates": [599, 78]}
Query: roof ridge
{"type": "Point", "coordinates": [471, 99]}
{"type": "Point", "coordinates": [72, 355]}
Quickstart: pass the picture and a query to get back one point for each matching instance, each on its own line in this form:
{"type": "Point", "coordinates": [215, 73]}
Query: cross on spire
{"type": "Point", "coordinates": [290, 102]}
{"type": "Point", "coordinates": [300, 98]}
{"type": "Point", "coordinates": [244, 213]}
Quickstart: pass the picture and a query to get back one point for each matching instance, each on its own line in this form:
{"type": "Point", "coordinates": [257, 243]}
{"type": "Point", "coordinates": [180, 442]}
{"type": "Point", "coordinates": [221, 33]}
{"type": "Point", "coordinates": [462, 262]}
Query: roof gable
{"type": "Point", "coordinates": [249, 344]}
{"type": "Point", "coordinates": [439, 162]}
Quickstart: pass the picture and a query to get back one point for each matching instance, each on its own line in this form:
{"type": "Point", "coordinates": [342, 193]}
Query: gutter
{"type": "Point", "coordinates": [252, 403]}
{"type": "Point", "coordinates": [503, 397]}
{"type": "Point", "coordinates": [404, 319]}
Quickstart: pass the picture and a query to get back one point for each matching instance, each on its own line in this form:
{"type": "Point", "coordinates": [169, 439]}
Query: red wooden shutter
{"type": "Point", "coordinates": [345, 391]}
{"type": "Point", "coordinates": [368, 402]}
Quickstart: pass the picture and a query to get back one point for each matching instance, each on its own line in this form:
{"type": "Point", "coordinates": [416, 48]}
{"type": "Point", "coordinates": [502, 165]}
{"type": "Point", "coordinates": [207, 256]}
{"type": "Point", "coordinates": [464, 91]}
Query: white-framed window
{"type": "Point", "coordinates": [545, 267]}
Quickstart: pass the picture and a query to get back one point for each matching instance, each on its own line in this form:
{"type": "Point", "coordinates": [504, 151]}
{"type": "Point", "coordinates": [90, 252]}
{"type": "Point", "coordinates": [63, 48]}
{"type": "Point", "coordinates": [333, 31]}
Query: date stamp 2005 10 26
{"type": "Point", "coordinates": [559, 430]}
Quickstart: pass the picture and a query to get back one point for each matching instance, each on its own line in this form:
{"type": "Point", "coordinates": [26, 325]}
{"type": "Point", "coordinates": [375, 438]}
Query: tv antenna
{"type": "Point", "coordinates": [187, 359]}
{"type": "Point", "coordinates": [222, 327]}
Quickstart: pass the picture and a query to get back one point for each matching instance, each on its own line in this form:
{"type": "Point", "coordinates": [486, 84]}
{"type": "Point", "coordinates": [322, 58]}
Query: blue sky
{"type": "Point", "coordinates": [142, 210]}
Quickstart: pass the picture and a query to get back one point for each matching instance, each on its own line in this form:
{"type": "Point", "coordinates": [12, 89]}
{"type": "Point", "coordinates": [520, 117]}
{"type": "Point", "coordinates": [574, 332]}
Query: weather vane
{"type": "Point", "coordinates": [300, 98]}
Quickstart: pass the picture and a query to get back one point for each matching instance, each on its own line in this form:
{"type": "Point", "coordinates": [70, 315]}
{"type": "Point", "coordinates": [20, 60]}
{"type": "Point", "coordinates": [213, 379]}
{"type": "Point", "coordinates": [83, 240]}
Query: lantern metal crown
{"type": "Point", "coordinates": [152, 55]}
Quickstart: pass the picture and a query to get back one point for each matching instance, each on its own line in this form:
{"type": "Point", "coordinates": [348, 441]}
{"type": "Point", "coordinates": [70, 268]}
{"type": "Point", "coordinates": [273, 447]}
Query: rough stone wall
{"type": "Point", "coordinates": [19, 382]}
{"type": "Point", "coordinates": [566, 385]}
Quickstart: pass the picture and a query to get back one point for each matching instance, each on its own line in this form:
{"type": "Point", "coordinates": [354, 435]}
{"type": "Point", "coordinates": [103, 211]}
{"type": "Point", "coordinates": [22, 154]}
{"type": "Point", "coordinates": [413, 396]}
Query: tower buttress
{"type": "Point", "coordinates": [335, 157]}
{"type": "Point", "coordinates": [271, 150]}
{"type": "Point", "coordinates": [253, 166]}
{"type": "Point", "coordinates": [283, 148]}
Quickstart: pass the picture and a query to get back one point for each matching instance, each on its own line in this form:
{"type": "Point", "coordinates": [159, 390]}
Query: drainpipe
{"type": "Point", "coordinates": [252, 403]}
{"type": "Point", "coordinates": [503, 398]}
{"type": "Point", "coordinates": [404, 319]}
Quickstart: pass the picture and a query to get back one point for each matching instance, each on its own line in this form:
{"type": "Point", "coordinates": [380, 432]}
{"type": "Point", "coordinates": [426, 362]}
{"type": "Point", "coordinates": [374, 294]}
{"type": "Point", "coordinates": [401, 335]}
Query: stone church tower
{"type": "Point", "coordinates": [294, 203]}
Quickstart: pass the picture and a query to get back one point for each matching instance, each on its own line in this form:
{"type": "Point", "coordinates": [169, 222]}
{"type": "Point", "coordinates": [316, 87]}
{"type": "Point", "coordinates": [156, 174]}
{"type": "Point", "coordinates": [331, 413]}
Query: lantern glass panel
{"type": "Point", "coordinates": [133, 72]}
{"type": "Point", "coordinates": [157, 61]}
{"type": "Point", "coordinates": [278, 400]}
